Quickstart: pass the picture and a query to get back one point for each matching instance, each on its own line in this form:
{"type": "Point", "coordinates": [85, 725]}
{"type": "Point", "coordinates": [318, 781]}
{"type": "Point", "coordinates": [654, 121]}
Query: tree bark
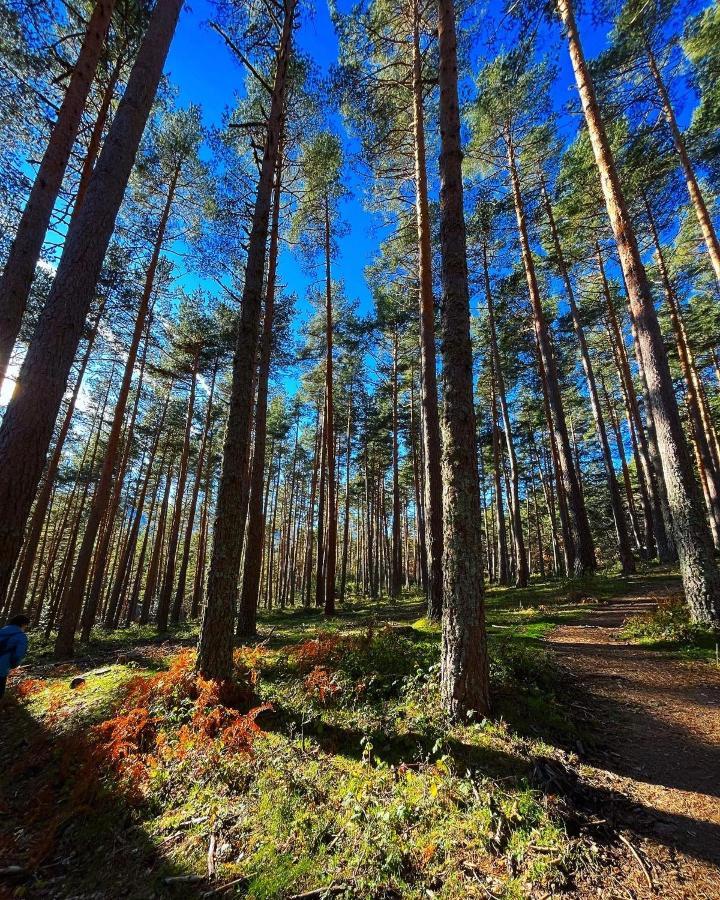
{"type": "Point", "coordinates": [72, 605]}
{"type": "Point", "coordinates": [166, 592]}
{"type": "Point", "coordinates": [252, 563]}
{"type": "Point", "coordinates": [521, 572]}
{"type": "Point", "coordinates": [41, 504]}
{"type": "Point", "coordinates": [464, 663]}
{"type": "Point", "coordinates": [330, 556]}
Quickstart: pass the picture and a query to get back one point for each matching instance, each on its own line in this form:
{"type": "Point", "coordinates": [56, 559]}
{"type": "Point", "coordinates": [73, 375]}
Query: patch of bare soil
{"type": "Point", "coordinates": [657, 760]}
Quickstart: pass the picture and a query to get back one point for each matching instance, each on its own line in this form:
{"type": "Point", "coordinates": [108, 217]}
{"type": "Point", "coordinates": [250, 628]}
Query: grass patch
{"type": "Point", "coordinates": [668, 628]}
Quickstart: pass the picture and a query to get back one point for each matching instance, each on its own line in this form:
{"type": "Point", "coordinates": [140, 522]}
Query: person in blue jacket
{"type": "Point", "coordinates": [13, 647]}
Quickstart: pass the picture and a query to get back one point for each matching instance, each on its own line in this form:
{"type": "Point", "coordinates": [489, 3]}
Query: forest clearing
{"type": "Point", "coordinates": [359, 449]}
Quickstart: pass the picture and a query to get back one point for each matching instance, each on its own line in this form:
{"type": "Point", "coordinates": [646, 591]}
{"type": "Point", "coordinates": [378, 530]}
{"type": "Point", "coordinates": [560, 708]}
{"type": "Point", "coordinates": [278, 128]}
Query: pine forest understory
{"type": "Point", "coordinates": [360, 449]}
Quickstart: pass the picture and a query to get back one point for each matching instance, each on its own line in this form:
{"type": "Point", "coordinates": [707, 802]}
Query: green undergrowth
{"type": "Point", "coordinates": [352, 779]}
{"type": "Point", "coordinates": [668, 628]}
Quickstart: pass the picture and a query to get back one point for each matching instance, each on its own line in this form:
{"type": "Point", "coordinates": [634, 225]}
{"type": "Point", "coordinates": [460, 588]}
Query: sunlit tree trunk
{"type": "Point", "coordinates": [584, 553]}
{"type": "Point", "coordinates": [199, 466]}
{"type": "Point", "coordinates": [155, 559]}
{"type": "Point", "coordinates": [73, 602]}
{"type": "Point", "coordinates": [330, 555]}
{"type": "Point", "coordinates": [166, 591]}
{"type": "Point", "coordinates": [252, 563]}
{"type": "Point", "coordinates": [701, 577]}
{"type": "Point", "coordinates": [41, 504]}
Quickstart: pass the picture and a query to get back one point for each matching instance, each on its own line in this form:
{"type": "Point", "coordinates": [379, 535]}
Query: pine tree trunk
{"type": "Point", "coordinates": [396, 567]}
{"type": "Point", "coordinates": [428, 375]}
{"type": "Point", "coordinates": [464, 663]}
{"type": "Point", "coordinates": [420, 521]}
{"type": "Point", "coordinates": [252, 563]}
{"type": "Point", "coordinates": [330, 556]}
{"type": "Point", "coordinates": [28, 423]}
{"type": "Point", "coordinates": [701, 577]}
{"type": "Point", "coordinates": [346, 518]}
{"type": "Point", "coordinates": [102, 500]}
{"type": "Point", "coordinates": [216, 631]}
{"type": "Point", "coordinates": [320, 567]}
{"type": "Point", "coordinates": [166, 592]}
{"type": "Point", "coordinates": [501, 573]}
{"type": "Point", "coordinates": [701, 429]}
{"type": "Point", "coordinates": [185, 558]}
{"type": "Point", "coordinates": [155, 559]}
{"type": "Point", "coordinates": [24, 253]}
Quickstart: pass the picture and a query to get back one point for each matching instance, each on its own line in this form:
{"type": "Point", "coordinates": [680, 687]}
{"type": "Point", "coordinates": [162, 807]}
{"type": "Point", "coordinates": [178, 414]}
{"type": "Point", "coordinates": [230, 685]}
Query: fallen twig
{"type": "Point", "coordinates": [183, 879]}
{"type": "Point", "coordinates": [220, 889]}
{"type": "Point", "coordinates": [320, 892]}
{"type": "Point", "coordinates": [641, 863]}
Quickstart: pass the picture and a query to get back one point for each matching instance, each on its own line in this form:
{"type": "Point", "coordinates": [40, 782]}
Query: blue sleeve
{"type": "Point", "coordinates": [18, 649]}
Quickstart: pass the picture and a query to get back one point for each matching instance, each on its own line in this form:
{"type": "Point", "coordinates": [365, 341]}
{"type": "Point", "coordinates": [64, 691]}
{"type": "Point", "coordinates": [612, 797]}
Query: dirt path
{"type": "Point", "coordinates": [658, 754]}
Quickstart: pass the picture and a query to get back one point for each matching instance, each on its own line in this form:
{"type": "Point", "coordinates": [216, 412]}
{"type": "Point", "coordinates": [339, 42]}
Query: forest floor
{"type": "Point", "coordinates": [327, 769]}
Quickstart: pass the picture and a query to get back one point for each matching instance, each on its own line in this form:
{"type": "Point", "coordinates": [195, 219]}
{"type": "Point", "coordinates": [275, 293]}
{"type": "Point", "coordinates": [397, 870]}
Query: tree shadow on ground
{"type": "Point", "coordinates": [66, 827]}
{"type": "Point", "coordinates": [612, 811]}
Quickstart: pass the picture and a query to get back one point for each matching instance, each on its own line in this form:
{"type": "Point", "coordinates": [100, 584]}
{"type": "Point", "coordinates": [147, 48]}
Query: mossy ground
{"type": "Point", "coordinates": [355, 779]}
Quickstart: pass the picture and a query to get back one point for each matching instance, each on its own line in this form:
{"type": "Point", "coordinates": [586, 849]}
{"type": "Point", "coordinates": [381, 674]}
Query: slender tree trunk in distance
{"type": "Point", "coordinates": [464, 662]}
{"type": "Point", "coordinates": [502, 556]}
{"type": "Point", "coordinates": [27, 244]}
{"type": "Point", "coordinates": [420, 521]}
{"type": "Point", "coordinates": [430, 419]}
{"type": "Point", "coordinates": [396, 566]}
{"type": "Point", "coordinates": [28, 423]}
{"type": "Point", "coordinates": [701, 577]}
{"type": "Point", "coordinates": [521, 572]}
{"type": "Point", "coordinates": [330, 556]}
{"type": "Point", "coordinates": [185, 558]}
{"type": "Point", "coordinates": [584, 552]}
{"type": "Point", "coordinates": [155, 559]}
{"type": "Point", "coordinates": [701, 429]}
{"type": "Point", "coordinates": [169, 579]}
{"type": "Point", "coordinates": [346, 519]}
{"type": "Point", "coordinates": [216, 632]}
{"type": "Point", "coordinates": [627, 562]}
{"type": "Point", "coordinates": [43, 498]}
